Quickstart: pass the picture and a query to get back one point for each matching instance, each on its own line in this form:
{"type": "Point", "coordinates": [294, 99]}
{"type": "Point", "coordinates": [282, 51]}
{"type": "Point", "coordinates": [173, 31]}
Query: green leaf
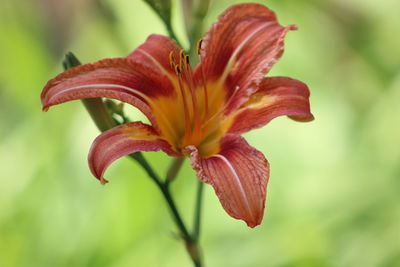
{"type": "Point", "coordinates": [70, 61]}
{"type": "Point", "coordinates": [162, 8]}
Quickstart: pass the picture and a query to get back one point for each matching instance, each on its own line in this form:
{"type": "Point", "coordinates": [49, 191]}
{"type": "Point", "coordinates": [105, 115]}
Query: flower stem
{"type": "Point", "coordinates": [165, 191]}
{"type": "Point", "coordinates": [172, 34]}
{"type": "Point", "coordinates": [190, 240]}
{"type": "Point", "coordinates": [166, 19]}
{"type": "Point", "coordinates": [197, 214]}
{"type": "Point", "coordinates": [174, 168]}
{"type": "Point", "coordinates": [194, 23]}
{"type": "Point", "coordinates": [146, 166]}
{"type": "Point", "coordinates": [99, 113]}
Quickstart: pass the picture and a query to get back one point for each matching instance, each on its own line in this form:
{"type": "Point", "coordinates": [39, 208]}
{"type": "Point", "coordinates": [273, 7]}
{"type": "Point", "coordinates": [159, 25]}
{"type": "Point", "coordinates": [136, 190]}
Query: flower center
{"type": "Point", "coordinates": [195, 100]}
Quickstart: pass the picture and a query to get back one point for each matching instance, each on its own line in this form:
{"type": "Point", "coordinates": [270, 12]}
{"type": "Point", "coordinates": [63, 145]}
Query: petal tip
{"type": "Point", "coordinates": [256, 220]}
{"type": "Point", "coordinates": [253, 224]}
{"type": "Point", "coordinates": [293, 27]}
{"type": "Point", "coordinates": [307, 118]}
{"type": "Point", "coordinates": [103, 181]}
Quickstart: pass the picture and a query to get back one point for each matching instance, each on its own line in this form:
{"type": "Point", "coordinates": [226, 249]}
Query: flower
{"type": "Point", "coordinates": [197, 113]}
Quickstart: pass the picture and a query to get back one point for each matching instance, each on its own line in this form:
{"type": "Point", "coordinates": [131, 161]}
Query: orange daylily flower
{"type": "Point", "coordinates": [197, 113]}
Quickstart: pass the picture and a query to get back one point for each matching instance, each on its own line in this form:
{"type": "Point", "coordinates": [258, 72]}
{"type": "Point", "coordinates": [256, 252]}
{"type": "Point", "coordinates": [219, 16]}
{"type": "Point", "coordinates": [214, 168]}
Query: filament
{"type": "Point", "coordinates": [189, 78]}
{"type": "Point", "coordinates": [196, 124]}
{"type": "Point", "coordinates": [199, 43]}
{"type": "Point", "coordinates": [185, 107]}
{"type": "Point", "coordinates": [171, 60]}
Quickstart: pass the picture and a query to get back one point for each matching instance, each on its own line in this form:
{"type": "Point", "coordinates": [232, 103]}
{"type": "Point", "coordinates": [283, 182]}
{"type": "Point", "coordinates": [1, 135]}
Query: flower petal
{"type": "Point", "coordinates": [241, 48]}
{"type": "Point", "coordinates": [239, 175]}
{"type": "Point", "coordinates": [123, 140]}
{"type": "Point", "coordinates": [276, 96]}
{"type": "Point", "coordinates": [123, 79]}
{"type": "Point", "coordinates": [155, 52]}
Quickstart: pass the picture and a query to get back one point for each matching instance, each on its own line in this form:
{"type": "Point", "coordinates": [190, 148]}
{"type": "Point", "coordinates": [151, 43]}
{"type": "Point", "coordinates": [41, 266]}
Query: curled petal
{"type": "Point", "coordinates": [123, 140]}
{"type": "Point", "coordinates": [239, 174]}
{"type": "Point", "coordinates": [276, 96]}
{"type": "Point", "coordinates": [118, 78]}
{"type": "Point", "coordinates": [241, 48]}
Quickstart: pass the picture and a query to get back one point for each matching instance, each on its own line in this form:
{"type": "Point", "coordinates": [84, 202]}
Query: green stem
{"type": "Point", "coordinates": [165, 191]}
{"type": "Point", "coordinates": [174, 168]}
{"type": "Point", "coordinates": [172, 34]}
{"type": "Point", "coordinates": [138, 156]}
{"type": "Point", "coordinates": [197, 214]}
{"type": "Point", "coordinates": [99, 113]}
{"type": "Point", "coordinates": [179, 222]}
{"type": "Point", "coordinates": [195, 29]}
{"type": "Point", "coordinates": [191, 242]}
{"type": "Point", "coordinates": [166, 20]}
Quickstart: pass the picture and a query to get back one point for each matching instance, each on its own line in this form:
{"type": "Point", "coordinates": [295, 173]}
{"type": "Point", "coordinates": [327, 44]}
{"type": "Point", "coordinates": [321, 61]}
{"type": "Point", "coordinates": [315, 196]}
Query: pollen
{"type": "Point", "coordinates": [187, 61]}
{"type": "Point", "coordinates": [198, 46]}
{"type": "Point", "coordinates": [181, 58]}
{"type": "Point", "coordinates": [171, 59]}
{"type": "Point", "coordinates": [178, 69]}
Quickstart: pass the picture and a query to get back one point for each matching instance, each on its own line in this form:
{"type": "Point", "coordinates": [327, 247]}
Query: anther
{"type": "Point", "coordinates": [171, 59]}
{"type": "Point", "coordinates": [178, 70]}
{"type": "Point", "coordinates": [199, 43]}
{"type": "Point", "coordinates": [187, 61]}
{"type": "Point", "coordinates": [181, 57]}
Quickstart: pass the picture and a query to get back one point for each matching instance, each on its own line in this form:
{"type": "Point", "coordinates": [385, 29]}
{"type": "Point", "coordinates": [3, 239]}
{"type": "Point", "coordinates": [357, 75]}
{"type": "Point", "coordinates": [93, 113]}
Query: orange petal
{"type": "Point", "coordinates": [241, 48]}
{"type": "Point", "coordinates": [276, 96]}
{"type": "Point", "coordinates": [123, 140]}
{"type": "Point", "coordinates": [239, 174]}
{"type": "Point", "coordinates": [118, 78]}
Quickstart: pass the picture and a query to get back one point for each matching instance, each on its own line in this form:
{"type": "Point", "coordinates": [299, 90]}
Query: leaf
{"type": "Point", "coordinates": [162, 8]}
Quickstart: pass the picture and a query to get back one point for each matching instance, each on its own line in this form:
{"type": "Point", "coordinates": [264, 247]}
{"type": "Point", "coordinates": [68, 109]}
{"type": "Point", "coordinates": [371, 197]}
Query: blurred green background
{"type": "Point", "coordinates": [334, 192]}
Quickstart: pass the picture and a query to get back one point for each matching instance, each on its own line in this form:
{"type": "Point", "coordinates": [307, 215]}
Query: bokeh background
{"type": "Point", "coordinates": [334, 192]}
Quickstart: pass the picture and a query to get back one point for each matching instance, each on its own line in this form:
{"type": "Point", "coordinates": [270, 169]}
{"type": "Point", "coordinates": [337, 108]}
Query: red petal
{"type": "Point", "coordinates": [123, 140]}
{"type": "Point", "coordinates": [155, 52]}
{"type": "Point", "coordinates": [119, 78]}
{"type": "Point", "coordinates": [241, 48]}
{"type": "Point", "coordinates": [239, 175]}
{"type": "Point", "coordinates": [276, 96]}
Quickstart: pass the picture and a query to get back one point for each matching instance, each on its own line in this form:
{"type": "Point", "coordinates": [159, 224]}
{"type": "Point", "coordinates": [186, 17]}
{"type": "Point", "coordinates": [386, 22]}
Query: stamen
{"type": "Point", "coordinates": [182, 58]}
{"type": "Point", "coordinates": [199, 43]}
{"type": "Point", "coordinates": [187, 61]}
{"type": "Point", "coordinates": [178, 72]}
{"type": "Point", "coordinates": [171, 59]}
{"type": "Point", "coordinates": [205, 93]}
{"type": "Point", "coordinates": [189, 78]}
